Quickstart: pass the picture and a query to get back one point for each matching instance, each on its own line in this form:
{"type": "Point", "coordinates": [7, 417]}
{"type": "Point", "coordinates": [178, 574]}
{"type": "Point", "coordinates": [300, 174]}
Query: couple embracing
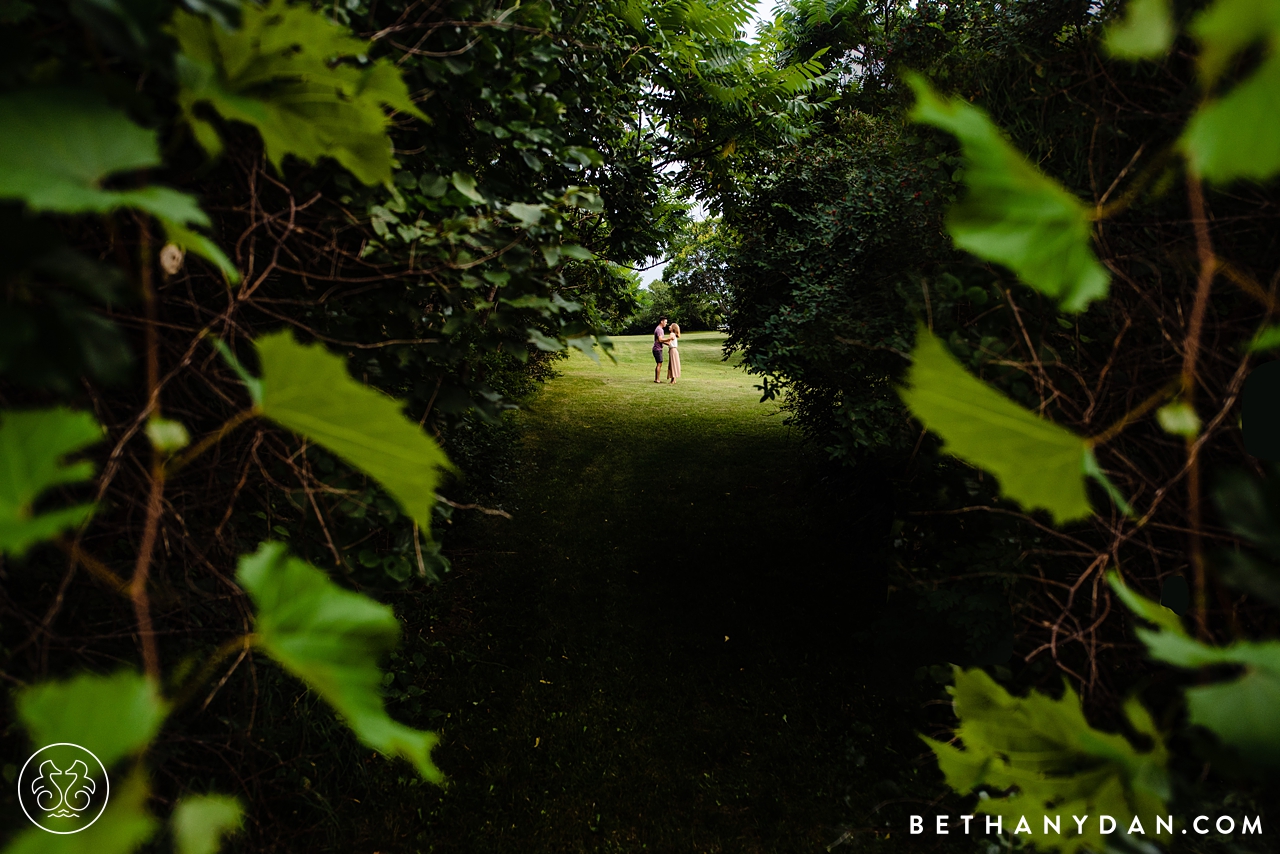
{"type": "Point", "coordinates": [671, 340]}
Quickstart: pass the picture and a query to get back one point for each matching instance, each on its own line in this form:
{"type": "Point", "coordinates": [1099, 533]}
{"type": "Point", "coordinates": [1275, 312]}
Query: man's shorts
{"type": "Point", "coordinates": [657, 356]}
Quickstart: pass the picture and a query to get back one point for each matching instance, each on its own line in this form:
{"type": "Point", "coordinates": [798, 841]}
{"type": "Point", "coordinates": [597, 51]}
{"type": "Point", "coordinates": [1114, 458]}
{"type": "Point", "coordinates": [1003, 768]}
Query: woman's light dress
{"type": "Point", "coordinates": [673, 363]}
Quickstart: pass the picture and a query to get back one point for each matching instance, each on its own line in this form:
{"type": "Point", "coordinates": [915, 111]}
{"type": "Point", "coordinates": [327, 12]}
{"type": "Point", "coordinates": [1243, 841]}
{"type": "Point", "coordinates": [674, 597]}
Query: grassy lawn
{"type": "Point", "coordinates": [655, 653]}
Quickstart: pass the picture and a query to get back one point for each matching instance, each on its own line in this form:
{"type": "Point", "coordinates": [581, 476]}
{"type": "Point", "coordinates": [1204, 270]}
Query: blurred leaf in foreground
{"type": "Point", "coordinates": [1146, 31]}
{"type": "Point", "coordinates": [1013, 213]}
{"type": "Point", "coordinates": [331, 638]}
{"type": "Point", "coordinates": [201, 821]}
{"type": "Point", "coordinates": [58, 146]}
{"type": "Point", "coordinates": [308, 390]}
{"type": "Point", "coordinates": [32, 445]}
{"type": "Point", "coordinates": [279, 71]}
{"type": "Point", "coordinates": [1061, 766]}
{"type": "Point", "coordinates": [1237, 135]}
{"type": "Point", "coordinates": [124, 826]}
{"type": "Point", "coordinates": [1241, 711]}
{"type": "Point", "coordinates": [1039, 464]}
{"type": "Point", "coordinates": [112, 716]}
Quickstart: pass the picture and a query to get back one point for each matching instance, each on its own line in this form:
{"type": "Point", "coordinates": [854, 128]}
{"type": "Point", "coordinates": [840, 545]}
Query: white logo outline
{"type": "Point", "coordinates": [66, 809]}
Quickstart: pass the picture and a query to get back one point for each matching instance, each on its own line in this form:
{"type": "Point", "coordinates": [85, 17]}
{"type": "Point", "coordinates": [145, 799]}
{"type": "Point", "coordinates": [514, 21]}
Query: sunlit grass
{"type": "Point", "coordinates": [712, 394]}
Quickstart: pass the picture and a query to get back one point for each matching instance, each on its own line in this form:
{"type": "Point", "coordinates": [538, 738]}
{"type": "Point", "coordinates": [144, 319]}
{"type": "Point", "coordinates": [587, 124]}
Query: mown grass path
{"type": "Point", "coordinates": [655, 653]}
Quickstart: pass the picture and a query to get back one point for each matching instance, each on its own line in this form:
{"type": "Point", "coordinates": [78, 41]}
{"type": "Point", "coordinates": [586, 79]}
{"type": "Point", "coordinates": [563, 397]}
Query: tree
{"type": "Point", "coordinates": [698, 274]}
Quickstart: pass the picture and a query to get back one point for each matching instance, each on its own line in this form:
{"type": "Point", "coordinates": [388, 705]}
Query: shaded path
{"type": "Point", "coordinates": [656, 653]}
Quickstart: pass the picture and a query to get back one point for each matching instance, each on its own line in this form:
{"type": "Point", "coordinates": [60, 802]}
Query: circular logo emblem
{"type": "Point", "coordinates": [63, 788]}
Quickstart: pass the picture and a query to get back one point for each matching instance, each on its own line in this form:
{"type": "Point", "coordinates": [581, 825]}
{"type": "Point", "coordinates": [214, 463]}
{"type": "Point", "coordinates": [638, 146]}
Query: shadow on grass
{"type": "Point", "coordinates": [658, 652]}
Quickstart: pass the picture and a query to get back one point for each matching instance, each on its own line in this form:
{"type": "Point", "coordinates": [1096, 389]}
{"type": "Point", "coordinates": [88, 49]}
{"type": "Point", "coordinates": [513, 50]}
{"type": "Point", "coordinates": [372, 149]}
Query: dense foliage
{"type": "Point", "coordinates": [440, 192]}
{"type": "Point", "coordinates": [1078, 321]}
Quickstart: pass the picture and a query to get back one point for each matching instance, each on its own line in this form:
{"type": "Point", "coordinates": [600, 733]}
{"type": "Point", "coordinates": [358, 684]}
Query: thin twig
{"type": "Point", "coordinates": [1191, 352]}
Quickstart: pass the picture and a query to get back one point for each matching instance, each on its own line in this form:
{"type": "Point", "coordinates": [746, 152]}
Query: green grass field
{"type": "Point", "coordinates": [713, 392]}
{"type": "Point", "coordinates": [654, 654]}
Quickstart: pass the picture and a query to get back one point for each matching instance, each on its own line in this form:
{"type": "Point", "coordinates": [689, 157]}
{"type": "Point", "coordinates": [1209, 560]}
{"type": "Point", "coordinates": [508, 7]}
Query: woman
{"type": "Point", "coordinates": [673, 360]}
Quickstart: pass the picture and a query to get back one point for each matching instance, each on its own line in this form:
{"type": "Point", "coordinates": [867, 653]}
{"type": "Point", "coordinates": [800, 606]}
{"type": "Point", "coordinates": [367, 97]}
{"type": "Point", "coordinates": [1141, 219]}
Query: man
{"type": "Point", "coordinates": [659, 338]}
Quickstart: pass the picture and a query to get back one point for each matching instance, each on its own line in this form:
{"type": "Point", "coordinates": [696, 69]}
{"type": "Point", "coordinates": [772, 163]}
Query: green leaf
{"type": "Point", "coordinates": [1179, 418]}
{"type": "Point", "coordinates": [308, 390]}
{"type": "Point", "coordinates": [1146, 32]}
{"type": "Point", "coordinates": [1267, 339]}
{"type": "Point", "coordinates": [1228, 27]}
{"type": "Point", "coordinates": [466, 184]}
{"type": "Point", "coordinates": [111, 716]}
{"type": "Point", "coordinates": [122, 828]}
{"type": "Point", "coordinates": [277, 72]}
{"type": "Point", "coordinates": [201, 821]}
{"type": "Point", "coordinates": [331, 638]}
{"type": "Point", "coordinates": [1238, 135]}
{"type": "Point", "coordinates": [1243, 712]}
{"type": "Point", "coordinates": [1152, 612]}
{"type": "Point", "coordinates": [579, 253]}
{"type": "Point", "coordinates": [1040, 465]}
{"type": "Point", "coordinates": [251, 383]}
{"type": "Point", "coordinates": [544, 342]}
{"type": "Point", "coordinates": [1059, 764]}
{"type": "Point", "coordinates": [58, 146]}
{"type": "Point", "coordinates": [585, 343]}
{"type": "Point", "coordinates": [32, 445]}
{"type": "Point", "coordinates": [167, 436]}
{"type": "Point", "coordinates": [1013, 213]}
{"type": "Point", "coordinates": [1093, 470]}
{"type": "Point", "coordinates": [527, 214]}
{"type": "Point", "coordinates": [1240, 711]}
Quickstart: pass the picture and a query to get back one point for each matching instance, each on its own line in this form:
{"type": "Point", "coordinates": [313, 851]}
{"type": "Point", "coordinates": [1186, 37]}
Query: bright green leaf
{"type": "Point", "coordinates": [122, 828]}
{"type": "Point", "coordinates": [308, 390]}
{"type": "Point", "coordinates": [1179, 418]}
{"type": "Point", "coordinates": [1145, 32]}
{"type": "Point", "coordinates": [277, 72]}
{"type": "Point", "coordinates": [1013, 213]}
{"type": "Point", "coordinates": [1238, 135]}
{"type": "Point", "coordinates": [167, 436]}
{"type": "Point", "coordinates": [32, 445]}
{"type": "Point", "coordinates": [1059, 764]}
{"type": "Point", "coordinates": [1039, 464]}
{"type": "Point", "coordinates": [58, 146]}
{"type": "Point", "coordinates": [111, 716]}
{"type": "Point", "coordinates": [201, 821]}
{"type": "Point", "coordinates": [331, 638]}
